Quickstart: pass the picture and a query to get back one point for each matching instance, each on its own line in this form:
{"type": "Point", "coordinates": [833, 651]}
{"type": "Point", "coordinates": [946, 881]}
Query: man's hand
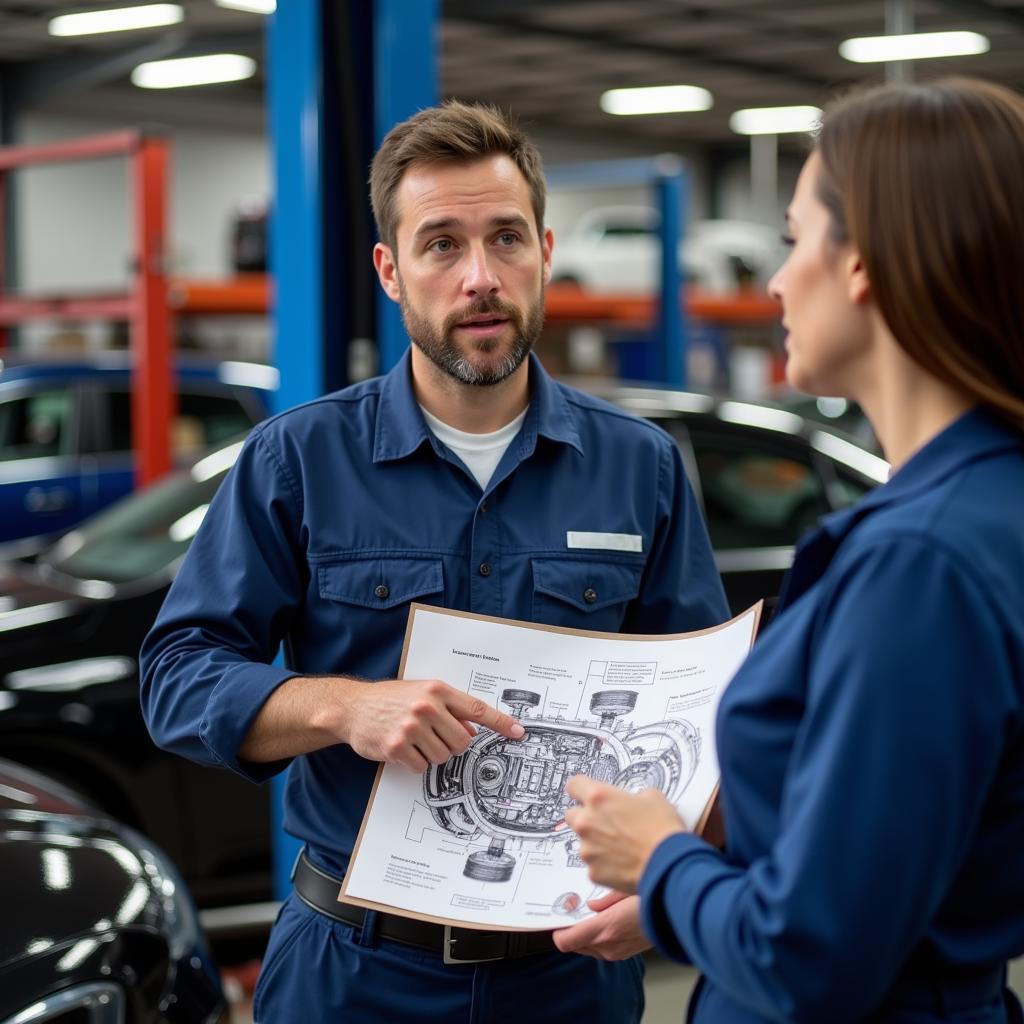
{"type": "Point", "coordinates": [618, 831]}
{"type": "Point", "coordinates": [613, 934]}
{"type": "Point", "coordinates": [417, 723]}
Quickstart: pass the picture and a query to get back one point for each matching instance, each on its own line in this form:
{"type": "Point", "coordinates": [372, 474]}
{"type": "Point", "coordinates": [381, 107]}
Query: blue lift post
{"type": "Point", "coordinates": [667, 176]}
{"type": "Point", "coordinates": [405, 80]}
{"type": "Point", "coordinates": [309, 292]}
{"type": "Point", "coordinates": [295, 102]}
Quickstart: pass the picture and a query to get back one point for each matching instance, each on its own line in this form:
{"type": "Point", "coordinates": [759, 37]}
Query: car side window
{"type": "Point", "coordinates": [848, 491]}
{"type": "Point", "coordinates": [755, 494]}
{"type": "Point", "coordinates": [202, 420]}
{"type": "Point", "coordinates": [220, 416]}
{"type": "Point", "coordinates": [36, 425]}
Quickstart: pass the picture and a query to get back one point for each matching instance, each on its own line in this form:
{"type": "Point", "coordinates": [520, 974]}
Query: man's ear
{"type": "Point", "coordinates": [387, 270]}
{"type": "Point", "coordinates": [546, 244]}
{"type": "Point", "coordinates": [858, 287]}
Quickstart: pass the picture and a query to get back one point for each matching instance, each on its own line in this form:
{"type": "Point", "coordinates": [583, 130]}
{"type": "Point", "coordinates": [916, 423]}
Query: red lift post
{"type": "Point", "coordinates": [145, 306]}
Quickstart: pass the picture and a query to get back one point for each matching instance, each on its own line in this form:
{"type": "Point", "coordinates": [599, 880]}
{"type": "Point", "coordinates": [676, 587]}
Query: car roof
{"type": "Point", "coordinates": [651, 400]}
{"type": "Point", "coordinates": [20, 366]}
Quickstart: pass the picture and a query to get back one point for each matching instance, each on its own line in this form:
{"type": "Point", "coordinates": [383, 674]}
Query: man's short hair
{"type": "Point", "coordinates": [457, 132]}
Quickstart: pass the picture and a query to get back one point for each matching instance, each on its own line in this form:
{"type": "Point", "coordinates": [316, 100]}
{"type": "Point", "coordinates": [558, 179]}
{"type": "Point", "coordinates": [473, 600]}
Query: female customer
{"type": "Point", "coordinates": [872, 746]}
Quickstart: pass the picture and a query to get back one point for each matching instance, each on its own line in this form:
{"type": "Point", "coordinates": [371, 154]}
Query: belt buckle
{"type": "Point", "coordinates": [450, 958]}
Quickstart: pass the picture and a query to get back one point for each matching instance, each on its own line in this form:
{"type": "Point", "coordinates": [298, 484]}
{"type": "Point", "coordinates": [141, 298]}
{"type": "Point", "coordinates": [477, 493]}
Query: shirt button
{"type": "Point", "coordinates": [483, 506]}
{"type": "Point", "coordinates": [485, 568]}
{"type": "Point", "coordinates": [382, 591]}
{"type": "Point", "coordinates": [590, 595]}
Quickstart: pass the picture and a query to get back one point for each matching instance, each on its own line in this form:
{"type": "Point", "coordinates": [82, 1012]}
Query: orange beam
{"type": "Point", "coordinates": [14, 308]}
{"type": "Point", "coordinates": [247, 293]}
{"type": "Point", "coordinates": [94, 146]}
{"type": "Point", "coordinates": [253, 293]}
{"type": "Point", "coordinates": [573, 305]}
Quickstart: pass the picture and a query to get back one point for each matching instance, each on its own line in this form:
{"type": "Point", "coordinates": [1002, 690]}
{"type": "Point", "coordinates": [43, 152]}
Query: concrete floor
{"type": "Point", "coordinates": [667, 990]}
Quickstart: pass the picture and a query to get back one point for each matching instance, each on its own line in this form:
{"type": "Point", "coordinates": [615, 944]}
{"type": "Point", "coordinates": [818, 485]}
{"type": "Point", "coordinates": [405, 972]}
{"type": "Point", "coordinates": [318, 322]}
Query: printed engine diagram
{"type": "Point", "coordinates": [515, 789]}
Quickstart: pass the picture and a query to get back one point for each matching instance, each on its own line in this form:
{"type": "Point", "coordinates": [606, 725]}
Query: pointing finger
{"type": "Point", "coordinates": [473, 709]}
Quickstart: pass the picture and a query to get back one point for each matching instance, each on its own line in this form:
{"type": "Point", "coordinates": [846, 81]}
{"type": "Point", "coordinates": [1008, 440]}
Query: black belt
{"type": "Point", "coordinates": [942, 989]}
{"type": "Point", "coordinates": [319, 890]}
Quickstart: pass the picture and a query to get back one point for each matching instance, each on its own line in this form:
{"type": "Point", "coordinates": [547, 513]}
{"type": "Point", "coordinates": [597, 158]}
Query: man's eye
{"type": "Point", "coordinates": [787, 239]}
{"type": "Point", "coordinates": [442, 245]}
{"type": "Point", "coordinates": [508, 238]}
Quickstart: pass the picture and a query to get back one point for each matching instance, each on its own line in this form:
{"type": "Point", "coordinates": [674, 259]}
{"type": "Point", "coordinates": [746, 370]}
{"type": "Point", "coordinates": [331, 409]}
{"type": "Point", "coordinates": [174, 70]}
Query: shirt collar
{"type": "Point", "coordinates": [400, 428]}
{"type": "Point", "coordinates": [974, 436]}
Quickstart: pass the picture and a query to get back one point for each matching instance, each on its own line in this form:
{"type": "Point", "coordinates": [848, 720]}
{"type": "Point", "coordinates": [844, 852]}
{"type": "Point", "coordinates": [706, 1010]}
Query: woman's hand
{"type": "Point", "coordinates": [613, 933]}
{"type": "Point", "coordinates": [618, 831]}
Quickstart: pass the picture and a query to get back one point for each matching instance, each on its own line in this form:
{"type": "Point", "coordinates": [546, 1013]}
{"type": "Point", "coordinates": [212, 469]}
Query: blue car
{"type": "Point", "coordinates": [65, 430]}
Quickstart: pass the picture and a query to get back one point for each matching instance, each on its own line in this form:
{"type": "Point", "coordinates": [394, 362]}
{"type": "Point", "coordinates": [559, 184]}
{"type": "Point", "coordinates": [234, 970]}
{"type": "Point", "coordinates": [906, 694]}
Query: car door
{"type": "Point", "coordinates": [624, 257]}
{"type": "Point", "coordinates": [761, 490]}
{"type": "Point", "coordinates": [44, 487]}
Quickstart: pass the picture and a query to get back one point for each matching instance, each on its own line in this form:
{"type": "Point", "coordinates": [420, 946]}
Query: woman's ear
{"type": "Point", "coordinates": [858, 287]}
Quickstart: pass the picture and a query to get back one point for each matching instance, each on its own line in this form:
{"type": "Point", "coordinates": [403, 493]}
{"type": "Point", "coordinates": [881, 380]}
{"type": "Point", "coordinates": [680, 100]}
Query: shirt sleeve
{"type": "Point", "coordinates": [206, 666]}
{"type": "Point", "coordinates": [909, 688]}
{"type": "Point", "coordinates": [681, 588]}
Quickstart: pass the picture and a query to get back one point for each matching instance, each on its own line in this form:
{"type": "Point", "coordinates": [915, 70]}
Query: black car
{"type": "Point", "coordinates": [97, 924]}
{"type": "Point", "coordinates": [763, 476]}
{"type": "Point", "coordinates": [72, 620]}
{"type": "Point", "coordinates": [71, 623]}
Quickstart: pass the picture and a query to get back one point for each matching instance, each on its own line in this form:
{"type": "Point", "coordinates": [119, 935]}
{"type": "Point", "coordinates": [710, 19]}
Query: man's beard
{"type": "Point", "coordinates": [439, 345]}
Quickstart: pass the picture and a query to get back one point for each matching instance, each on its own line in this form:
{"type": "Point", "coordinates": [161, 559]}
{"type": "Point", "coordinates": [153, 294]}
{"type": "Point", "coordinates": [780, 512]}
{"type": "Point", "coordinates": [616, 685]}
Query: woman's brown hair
{"type": "Point", "coordinates": [927, 182]}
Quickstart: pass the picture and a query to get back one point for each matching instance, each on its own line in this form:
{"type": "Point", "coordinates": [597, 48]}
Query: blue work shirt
{"type": "Point", "coordinates": [341, 512]}
{"type": "Point", "coordinates": [872, 758]}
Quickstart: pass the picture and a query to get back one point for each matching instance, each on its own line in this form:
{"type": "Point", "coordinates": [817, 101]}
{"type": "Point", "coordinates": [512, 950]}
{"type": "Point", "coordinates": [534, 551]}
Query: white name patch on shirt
{"type": "Point", "coordinates": [604, 541]}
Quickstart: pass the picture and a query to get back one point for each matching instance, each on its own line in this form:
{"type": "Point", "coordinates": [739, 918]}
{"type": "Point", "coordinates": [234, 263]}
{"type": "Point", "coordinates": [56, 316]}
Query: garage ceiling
{"type": "Point", "coordinates": [549, 60]}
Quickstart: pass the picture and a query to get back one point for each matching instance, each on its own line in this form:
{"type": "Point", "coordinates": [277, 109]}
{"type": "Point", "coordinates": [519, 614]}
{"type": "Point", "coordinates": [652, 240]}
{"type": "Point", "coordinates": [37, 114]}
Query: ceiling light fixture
{"type": "Point", "coordinates": [121, 19]}
{"type": "Point", "coordinates": [656, 99]}
{"type": "Point", "coordinates": [775, 120]}
{"type": "Point", "coordinates": [916, 46]}
{"type": "Point", "coordinates": [186, 71]}
{"type": "Point", "coordinates": [253, 6]}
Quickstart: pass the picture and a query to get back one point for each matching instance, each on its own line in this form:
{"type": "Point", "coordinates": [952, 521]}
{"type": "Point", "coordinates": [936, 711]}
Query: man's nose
{"type": "Point", "coordinates": [480, 276]}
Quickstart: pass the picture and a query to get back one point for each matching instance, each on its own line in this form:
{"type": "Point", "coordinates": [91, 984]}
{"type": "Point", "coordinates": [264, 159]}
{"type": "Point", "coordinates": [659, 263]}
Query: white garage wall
{"type": "Point", "coordinates": [74, 224]}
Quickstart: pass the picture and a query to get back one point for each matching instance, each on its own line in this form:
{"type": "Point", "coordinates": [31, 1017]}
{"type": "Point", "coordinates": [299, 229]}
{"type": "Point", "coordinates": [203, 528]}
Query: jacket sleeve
{"type": "Point", "coordinates": [909, 693]}
{"type": "Point", "coordinates": [681, 589]}
{"type": "Point", "coordinates": [206, 666]}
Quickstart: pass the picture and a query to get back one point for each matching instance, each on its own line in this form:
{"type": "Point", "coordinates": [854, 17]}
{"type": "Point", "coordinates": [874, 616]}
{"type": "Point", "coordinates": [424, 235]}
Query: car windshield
{"type": "Point", "coordinates": [144, 533]}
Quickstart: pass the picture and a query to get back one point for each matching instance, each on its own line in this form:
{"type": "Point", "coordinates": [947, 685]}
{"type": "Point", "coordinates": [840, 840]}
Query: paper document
{"type": "Point", "coordinates": [480, 841]}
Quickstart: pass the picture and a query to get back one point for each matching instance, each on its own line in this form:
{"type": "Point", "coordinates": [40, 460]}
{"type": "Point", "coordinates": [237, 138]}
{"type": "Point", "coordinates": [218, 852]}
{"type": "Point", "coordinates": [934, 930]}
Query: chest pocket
{"type": "Point", "coordinates": [583, 594]}
{"type": "Point", "coordinates": [368, 599]}
{"type": "Point", "coordinates": [381, 583]}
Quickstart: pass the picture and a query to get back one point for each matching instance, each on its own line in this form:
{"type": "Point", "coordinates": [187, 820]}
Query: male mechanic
{"type": "Point", "coordinates": [467, 478]}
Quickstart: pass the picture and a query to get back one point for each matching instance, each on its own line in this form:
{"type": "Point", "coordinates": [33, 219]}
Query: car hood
{"type": "Point", "coordinates": [65, 879]}
{"type": "Point", "coordinates": [27, 598]}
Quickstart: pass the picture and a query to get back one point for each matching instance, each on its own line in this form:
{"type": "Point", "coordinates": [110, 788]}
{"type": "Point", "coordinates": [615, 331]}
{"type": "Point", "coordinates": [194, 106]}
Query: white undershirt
{"type": "Point", "coordinates": [480, 452]}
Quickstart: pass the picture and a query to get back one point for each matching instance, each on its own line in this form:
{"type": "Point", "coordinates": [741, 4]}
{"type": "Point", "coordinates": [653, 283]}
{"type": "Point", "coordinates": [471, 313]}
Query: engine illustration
{"type": "Point", "coordinates": [515, 789]}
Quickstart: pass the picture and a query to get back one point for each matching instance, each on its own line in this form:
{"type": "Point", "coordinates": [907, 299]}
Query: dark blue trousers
{"type": "Point", "coordinates": [319, 970]}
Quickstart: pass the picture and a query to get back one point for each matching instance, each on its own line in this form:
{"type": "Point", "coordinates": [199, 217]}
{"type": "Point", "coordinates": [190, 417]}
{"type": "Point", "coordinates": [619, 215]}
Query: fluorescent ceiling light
{"type": "Point", "coordinates": [253, 6]}
{"type": "Point", "coordinates": [656, 99]}
{"type": "Point", "coordinates": [121, 19]}
{"type": "Point", "coordinates": [185, 71]}
{"type": "Point", "coordinates": [774, 120]}
{"type": "Point", "coordinates": [917, 46]}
